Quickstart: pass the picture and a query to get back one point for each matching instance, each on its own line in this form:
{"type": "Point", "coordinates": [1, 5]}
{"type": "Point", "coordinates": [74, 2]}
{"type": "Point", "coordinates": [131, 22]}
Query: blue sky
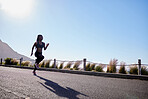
{"type": "Point", "coordinates": [98, 30]}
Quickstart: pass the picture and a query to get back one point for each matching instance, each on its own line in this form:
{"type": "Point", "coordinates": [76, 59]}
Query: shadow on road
{"type": "Point", "coordinates": [60, 91]}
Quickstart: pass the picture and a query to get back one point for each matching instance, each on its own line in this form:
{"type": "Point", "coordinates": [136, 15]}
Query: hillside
{"type": "Point", "coordinates": [7, 51]}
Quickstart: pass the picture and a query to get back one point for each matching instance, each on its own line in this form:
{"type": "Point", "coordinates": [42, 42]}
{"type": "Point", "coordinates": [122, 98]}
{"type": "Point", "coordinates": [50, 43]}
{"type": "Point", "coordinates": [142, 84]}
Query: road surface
{"type": "Point", "coordinates": [21, 83]}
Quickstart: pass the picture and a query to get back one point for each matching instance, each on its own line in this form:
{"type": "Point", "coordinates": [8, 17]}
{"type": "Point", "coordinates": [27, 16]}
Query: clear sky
{"type": "Point", "coordinates": [98, 30]}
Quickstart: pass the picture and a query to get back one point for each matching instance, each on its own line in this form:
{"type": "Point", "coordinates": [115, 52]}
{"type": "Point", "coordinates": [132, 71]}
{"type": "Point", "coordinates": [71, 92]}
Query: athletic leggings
{"type": "Point", "coordinates": [39, 57]}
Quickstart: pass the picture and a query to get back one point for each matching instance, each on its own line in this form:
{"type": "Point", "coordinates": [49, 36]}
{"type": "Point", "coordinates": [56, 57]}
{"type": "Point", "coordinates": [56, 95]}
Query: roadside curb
{"type": "Point", "coordinates": [112, 75]}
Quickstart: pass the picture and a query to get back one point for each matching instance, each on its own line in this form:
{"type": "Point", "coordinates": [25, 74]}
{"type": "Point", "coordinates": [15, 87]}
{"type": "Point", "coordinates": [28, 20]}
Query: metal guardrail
{"type": "Point", "coordinates": [84, 62]}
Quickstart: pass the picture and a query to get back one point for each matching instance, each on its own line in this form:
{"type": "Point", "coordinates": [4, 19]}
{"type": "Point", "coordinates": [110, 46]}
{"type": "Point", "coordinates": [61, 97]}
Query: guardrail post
{"type": "Point", "coordinates": [139, 66]}
{"type": "Point", "coordinates": [54, 63]}
{"type": "Point", "coordinates": [21, 59]}
{"type": "Point", "coordinates": [84, 63]}
{"type": "Point", "coordinates": [1, 61]}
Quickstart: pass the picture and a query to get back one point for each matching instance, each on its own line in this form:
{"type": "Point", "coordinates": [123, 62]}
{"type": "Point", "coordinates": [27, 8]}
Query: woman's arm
{"type": "Point", "coordinates": [33, 48]}
{"type": "Point", "coordinates": [46, 46]}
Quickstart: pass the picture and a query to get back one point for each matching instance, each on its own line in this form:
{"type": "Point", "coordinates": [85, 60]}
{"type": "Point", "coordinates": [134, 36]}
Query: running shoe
{"type": "Point", "coordinates": [34, 72]}
{"type": "Point", "coordinates": [37, 66]}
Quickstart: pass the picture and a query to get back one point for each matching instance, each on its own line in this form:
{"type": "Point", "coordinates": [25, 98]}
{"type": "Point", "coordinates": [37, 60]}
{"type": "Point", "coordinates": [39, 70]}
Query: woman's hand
{"type": "Point", "coordinates": [33, 48]}
{"type": "Point", "coordinates": [47, 44]}
{"type": "Point", "coordinates": [31, 53]}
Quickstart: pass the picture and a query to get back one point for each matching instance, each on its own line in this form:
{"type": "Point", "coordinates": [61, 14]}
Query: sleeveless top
{"type": "Point", "coordinates": [40, 46]}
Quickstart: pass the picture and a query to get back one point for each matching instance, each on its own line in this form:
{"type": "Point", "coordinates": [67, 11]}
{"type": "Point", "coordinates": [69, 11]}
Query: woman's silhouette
{"type": "Point", "coordinates": [38, 54]}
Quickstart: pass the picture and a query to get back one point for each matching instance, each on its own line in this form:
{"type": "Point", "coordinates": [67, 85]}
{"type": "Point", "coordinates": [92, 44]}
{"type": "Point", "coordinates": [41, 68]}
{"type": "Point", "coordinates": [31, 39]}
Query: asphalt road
{"type": "Point", "coordinates": [21, 83]}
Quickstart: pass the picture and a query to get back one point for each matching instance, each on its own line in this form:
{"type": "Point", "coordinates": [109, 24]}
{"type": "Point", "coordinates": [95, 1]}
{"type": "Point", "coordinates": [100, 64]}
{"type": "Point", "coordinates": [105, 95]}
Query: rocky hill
{"type": "Point", "coordinates": [7, 52]}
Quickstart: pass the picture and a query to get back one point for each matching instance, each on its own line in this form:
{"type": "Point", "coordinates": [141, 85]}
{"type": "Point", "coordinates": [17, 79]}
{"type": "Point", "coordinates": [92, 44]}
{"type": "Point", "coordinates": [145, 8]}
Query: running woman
{"type": "Point", "coordinates": [38, 54]}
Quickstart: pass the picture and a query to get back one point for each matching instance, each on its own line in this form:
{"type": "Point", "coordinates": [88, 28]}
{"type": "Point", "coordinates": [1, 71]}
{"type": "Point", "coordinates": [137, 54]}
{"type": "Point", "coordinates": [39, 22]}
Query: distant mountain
{"type": "Point", "coordinates": [7, 52]}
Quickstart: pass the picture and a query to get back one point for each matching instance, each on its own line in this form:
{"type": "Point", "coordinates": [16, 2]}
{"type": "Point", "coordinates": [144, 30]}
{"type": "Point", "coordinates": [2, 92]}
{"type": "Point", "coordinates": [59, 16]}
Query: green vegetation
{"type": "Point", "coordinates": [56, 66]}
{"type": "Point", "coordinates": [47, 64]}
{"type": "Point", "coordinates": [25, 63]}
{"type": "Point", "coordinates": [144, 70]}
{"type": "Point", "coordinates": [133, 70]}
{"type": "Point", "coordinates": [11, 61]}
{"type": "Point", "coordinates": [8, 61]}
{"type": "Point", "coordinates": [31, 66]}
{"type": "Point", "coordinates": [52, 66]}
{"type": "Point", "coordinates": [122, 68]}
{"type": "Point", "coordinates": [68, 66]}
{"type": "Point", "coordinates": [41, 64]}
{"type": "Point", "coordinates": [61, 65]}
{"type": "Point", "coordinates": [112, 66]}
{"type": "Point", "coordinates": [14, 62]}
{"type": "Point", "coordinates": [88, 67]}
{"type": "Point", "coordinates": [92, 66]}
{"type": "Point", "coordinates": [71, 68]}
{"type": "Point", "coordinates": [99, 68]}
{"type": "Point", "coordinates": [76, 65]}
{"type": "Point", "coordinates": [3, 63]}
{"type": "Point", "coordinates": [107, 68]}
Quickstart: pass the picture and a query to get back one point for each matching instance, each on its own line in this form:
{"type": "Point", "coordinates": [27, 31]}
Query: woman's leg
{"type": "Point", "coordinates": [41, 58]}
{"type": "Point", "coordinates": [34, 69]}
{"type": "Point", "coordinates": [36, 62]}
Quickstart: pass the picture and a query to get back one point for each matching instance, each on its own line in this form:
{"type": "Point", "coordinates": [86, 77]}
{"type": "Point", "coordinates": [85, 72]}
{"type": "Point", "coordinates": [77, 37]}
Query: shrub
{"type": "Point", "coordinates": [107, 69]}
{"type": "Point", "coordinates": [8, 61]}
{"type": "Point", "coordinates": [122, 68]}
{"type": "Point", "coordinates": [144, 71]}
{"type": "Point", "coordinates": [31, 66]}
{"type": "Point", "coordinates": [42, 64]}
{"type": "Point", "coordinates": [47, 64]}
{"type": "Point", "coordinates": [3, 63]}
{"type": "Point", "coordinates": [25, 63]}
{"type": "Point", "coordinates": [99, 69]}
{"type": "Point", "coordinates": [112, 65]}
{"type": "Point", "coordinates": [77, 64]}
{"type": "Point", "coordinates": [52, 66]}
{"type": "Point", "coordinates": [68, 65]}
{"type": "Point", "coordinates": [11, 61]}
{"type": "Point", "coordinates": [22, 64]}
{"type": "Point", "coordinates": [71, 68]}
{"type": "Point", "coordinates": [133, 70]}
{"type": "Point", "coordinates": [56, 65]}
{"type": "Point", "coordinates": [88, 67]}
{"type": "Point", "coordinates": [61, 65]}
{"type": "Point", "coordinates": [14, 62]}
{"type": "Point", "coordinates": [92, 66]}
